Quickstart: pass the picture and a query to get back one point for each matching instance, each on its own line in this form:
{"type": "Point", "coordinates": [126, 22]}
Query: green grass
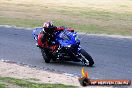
{"type": "Point", "coordinates": [36, 23]}
{"type": "Point", "coordinates": [2, 86]}
{"type": "Point", "coordinates": [20, 22]}
{"type": "Point", "coordinates": [83, 19]}
{"type": "Point", "coordinates": [89, 28]}
{"type": "Point", "coordinates": [33, 79]}
{"type": "Point", "coordinates": [93, 13]}
{"type": "Point", "coordinates": [27, 84]}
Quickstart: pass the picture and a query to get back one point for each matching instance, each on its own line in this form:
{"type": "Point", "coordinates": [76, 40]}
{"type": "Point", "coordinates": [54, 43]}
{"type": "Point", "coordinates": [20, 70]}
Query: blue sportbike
{"type": "Point", "coordinates": [68, 48]}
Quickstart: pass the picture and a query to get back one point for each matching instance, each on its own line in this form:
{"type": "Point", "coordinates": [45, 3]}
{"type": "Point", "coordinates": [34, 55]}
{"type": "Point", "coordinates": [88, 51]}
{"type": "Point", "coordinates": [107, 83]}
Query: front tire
{"type": "Point", "coordinates": [87, 59]}
{"type": "Point", "coordinates": [46, 55]}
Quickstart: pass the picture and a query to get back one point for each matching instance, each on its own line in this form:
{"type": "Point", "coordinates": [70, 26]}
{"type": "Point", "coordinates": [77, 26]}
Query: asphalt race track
{"type": "Point", "coordinates": [112, 56]}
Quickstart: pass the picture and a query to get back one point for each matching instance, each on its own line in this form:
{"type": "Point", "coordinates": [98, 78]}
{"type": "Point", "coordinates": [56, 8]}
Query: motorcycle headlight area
{"type": "Point", "coordinates": [76, 38]}
{"type": "Point", "coordinates": [68, 46]}
{"type": "Point", "coordinates": [64, 36]}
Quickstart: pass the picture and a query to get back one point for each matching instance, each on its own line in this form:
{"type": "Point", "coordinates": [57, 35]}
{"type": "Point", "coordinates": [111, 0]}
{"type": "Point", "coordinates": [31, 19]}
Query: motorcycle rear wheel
{"type": "Point", "coordinates": [86, 58]}
{"type": "Point", "coordinates": [46, 55]}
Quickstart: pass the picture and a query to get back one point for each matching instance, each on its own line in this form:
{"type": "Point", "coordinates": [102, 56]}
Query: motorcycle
{"type": "Point", "coordinates": [68, 48]}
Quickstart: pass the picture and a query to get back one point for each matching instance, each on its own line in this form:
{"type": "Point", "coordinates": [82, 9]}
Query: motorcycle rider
{"type": "Point", "coordinates": [46, 38]}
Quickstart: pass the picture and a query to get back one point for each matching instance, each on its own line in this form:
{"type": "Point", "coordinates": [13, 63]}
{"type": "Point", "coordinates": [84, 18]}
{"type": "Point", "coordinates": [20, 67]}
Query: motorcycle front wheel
{"type": "Point", "coordinates": [86, 58]}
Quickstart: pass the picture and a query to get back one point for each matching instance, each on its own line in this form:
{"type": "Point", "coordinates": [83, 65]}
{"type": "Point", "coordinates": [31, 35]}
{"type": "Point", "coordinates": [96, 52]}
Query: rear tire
{"type": "Point", "coordinates": [46, 55]}
{"type": "Point", "coordinates": [86, 58]}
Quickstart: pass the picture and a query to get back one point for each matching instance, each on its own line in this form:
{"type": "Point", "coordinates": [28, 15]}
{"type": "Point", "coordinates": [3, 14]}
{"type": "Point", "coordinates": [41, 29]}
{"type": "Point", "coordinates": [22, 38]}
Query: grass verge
{"type": "Point", "coordinates": [109, 17]}
{"type": "Point", "coordinates": [2, 86]}
{"type": "Point", "coordinates": [11, 82]}
{"type": "Point", "coordinates": [89, 28]}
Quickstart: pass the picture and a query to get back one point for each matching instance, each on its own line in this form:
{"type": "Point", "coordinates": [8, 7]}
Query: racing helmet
{"type": "Point", "coordinates": [48, 27]}
{"type": "Point", "coordinates": [48, 24]}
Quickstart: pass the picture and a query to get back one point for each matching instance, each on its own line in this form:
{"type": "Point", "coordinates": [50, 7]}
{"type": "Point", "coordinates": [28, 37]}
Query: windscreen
{"type": "Point", "coordinates": [64, 35]}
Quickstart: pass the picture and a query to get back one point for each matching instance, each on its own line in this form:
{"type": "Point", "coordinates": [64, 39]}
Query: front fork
{"type": "Point", "coordinates": [79, 57]}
